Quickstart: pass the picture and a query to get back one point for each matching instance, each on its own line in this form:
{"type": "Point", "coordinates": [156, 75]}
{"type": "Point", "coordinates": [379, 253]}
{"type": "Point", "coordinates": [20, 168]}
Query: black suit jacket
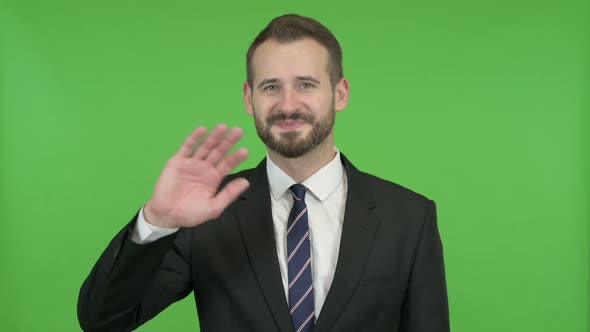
{"type": "Point", "coordinates": [389, 275]}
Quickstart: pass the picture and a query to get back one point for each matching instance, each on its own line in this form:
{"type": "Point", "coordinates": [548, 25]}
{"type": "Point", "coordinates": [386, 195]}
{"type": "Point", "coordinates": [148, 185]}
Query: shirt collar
{"type": "Point", "coordinates": [321, 184]}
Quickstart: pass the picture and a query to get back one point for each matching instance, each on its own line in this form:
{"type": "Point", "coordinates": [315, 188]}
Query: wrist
{"type": "Point", "coordinates": [155, 219]}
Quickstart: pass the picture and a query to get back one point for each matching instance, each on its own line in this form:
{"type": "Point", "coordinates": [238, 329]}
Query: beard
{"type": "Point", "coordinates": [292, 144]}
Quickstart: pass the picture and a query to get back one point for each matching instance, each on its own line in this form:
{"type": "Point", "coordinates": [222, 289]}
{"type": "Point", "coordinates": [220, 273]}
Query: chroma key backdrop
{"type": "Point", "coordinates": [483, 106]}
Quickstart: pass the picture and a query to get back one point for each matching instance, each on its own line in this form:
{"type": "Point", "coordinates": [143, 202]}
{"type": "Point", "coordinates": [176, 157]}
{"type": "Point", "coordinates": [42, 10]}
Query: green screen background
{"type": "Point", "coordinates": [482, 106]}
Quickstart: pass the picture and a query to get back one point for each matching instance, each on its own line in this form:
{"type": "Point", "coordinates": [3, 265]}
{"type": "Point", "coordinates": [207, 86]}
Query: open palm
{"type": "Point", "coordinates": [186, 192]}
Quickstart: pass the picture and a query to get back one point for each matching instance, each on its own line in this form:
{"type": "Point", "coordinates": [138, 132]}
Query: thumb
{"type": "Point", "coordinates": [227, 195]}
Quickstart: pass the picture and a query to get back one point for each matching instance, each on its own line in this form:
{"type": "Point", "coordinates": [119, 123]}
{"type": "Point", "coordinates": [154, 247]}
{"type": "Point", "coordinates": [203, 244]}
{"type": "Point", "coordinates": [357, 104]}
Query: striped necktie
{"type": "Point", "coordinates": [299, 263]}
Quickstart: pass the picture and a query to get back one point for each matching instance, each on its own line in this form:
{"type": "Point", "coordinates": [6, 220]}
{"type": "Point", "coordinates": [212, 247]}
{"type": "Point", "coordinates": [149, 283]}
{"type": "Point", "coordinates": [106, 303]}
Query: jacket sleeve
{"type": "Point", "coordinates": [425, 307]}
{"type": "Point", "coordinates": [130, 283]}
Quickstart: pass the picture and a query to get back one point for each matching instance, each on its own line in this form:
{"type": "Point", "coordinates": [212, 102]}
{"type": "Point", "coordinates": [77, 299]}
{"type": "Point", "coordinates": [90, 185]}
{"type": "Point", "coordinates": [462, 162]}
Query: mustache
{"type": "Point", "coordinates": [305, 117]}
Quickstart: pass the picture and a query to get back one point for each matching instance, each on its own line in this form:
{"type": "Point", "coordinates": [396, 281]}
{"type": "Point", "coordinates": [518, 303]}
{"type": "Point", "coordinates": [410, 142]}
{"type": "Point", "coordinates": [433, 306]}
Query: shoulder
{"type": "Point", "coordinates": [387, 196]}
{"type": "Point", "coordinates": [380, 189]}
{"type": "Point", "coordinates": [401, 210]}
{"type": "Point", "coordinates": [389, 188]}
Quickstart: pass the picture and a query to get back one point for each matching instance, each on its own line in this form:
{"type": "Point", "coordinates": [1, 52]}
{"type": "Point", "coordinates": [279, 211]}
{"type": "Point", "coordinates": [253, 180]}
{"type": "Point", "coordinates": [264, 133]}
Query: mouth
{"type": "Point", "coordinates": [290, 124]}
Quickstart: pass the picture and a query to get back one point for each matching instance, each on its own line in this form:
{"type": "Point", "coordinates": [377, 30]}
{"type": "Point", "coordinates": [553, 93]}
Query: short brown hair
{"type": "Point", "coordinates": [292, 27]}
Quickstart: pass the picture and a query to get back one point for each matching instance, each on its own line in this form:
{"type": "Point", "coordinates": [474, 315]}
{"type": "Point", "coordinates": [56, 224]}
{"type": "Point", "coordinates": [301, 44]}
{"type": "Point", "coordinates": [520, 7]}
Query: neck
{"type": "Point", "coordinates": [303, 167]}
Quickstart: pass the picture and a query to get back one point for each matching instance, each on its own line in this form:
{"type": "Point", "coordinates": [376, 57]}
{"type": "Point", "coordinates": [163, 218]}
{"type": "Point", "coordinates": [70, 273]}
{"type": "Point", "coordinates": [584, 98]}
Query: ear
{"type": "Point", "coordinates": [341, 94]}
{"type": "Point", "coordinates": [248, 98]}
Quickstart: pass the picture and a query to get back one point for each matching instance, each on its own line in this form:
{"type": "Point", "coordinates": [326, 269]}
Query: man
{"type": "Point", "coordinates": [303, 242]}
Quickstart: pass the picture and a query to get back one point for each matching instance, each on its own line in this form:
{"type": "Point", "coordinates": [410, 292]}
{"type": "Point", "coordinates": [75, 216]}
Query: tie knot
{"type": "Point", "coordinates": [298, 191]}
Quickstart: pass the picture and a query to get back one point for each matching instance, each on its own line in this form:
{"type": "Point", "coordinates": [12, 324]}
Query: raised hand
{"type": "Point", "coordinates": [186, 192]}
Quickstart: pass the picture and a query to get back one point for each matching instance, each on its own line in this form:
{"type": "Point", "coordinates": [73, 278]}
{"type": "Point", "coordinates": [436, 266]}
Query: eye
{"type": "Point", "coordinates": [270, 88]}
{"type": "Point", "coordinates": [307, 85]}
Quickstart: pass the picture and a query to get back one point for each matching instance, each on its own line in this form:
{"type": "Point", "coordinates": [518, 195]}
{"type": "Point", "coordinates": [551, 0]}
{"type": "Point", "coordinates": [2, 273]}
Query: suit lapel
{"type": "Point", "coordinates": [358, 233]}
{"type": "Point", "coordinates": [255, 220]}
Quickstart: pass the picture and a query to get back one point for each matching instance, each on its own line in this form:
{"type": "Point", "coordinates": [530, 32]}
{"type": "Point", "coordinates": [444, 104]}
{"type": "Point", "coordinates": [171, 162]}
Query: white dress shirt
{"type": "Point", "coordinates": [325, 200]}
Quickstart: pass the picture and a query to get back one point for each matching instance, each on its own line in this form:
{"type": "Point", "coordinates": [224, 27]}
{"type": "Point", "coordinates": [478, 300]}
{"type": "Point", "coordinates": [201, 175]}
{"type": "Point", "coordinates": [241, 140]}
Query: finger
{"type": "Point", "coordinates": [229, 162]}
{"type": "Point", "coordinates": [210, 142]}
{"type": "Point", "coordinates": [221, 150]}
{"type": "Point", "coordinates": [186, 149]}
{"type": "Point", "coordinates": [228, 194]}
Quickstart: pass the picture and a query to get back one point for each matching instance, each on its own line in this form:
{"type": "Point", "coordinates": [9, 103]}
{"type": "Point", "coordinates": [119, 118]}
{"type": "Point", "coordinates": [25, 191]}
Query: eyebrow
{"type": "Point", "coordinates": [299, 78]}
{"type": "Point", "coordinates": [308, 78]}
{"type": "Point", "coordinates": [267, 81]}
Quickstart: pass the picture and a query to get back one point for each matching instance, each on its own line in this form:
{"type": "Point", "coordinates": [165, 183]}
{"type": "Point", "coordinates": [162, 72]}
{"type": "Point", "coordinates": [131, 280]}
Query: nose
{"type": "Point", "coordinates": [288, 102]}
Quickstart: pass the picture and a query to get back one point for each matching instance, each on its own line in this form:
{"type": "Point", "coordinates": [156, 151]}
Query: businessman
{"type": "Point", "coordinates": [303, 242]}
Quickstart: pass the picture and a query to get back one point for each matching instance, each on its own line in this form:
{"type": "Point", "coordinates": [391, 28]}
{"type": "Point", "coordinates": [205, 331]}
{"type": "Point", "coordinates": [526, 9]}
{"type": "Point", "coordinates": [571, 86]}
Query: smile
{"type": "Point", "coordinates": [290, 124]}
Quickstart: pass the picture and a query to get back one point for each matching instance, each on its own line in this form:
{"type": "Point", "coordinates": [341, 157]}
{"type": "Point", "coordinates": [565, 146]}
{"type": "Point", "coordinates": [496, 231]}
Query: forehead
{"type": "Point", "coordinates": [305, 57]}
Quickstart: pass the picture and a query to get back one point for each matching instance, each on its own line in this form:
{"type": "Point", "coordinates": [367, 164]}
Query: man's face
{"type": "Point", "coordinates": [292, 99]}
